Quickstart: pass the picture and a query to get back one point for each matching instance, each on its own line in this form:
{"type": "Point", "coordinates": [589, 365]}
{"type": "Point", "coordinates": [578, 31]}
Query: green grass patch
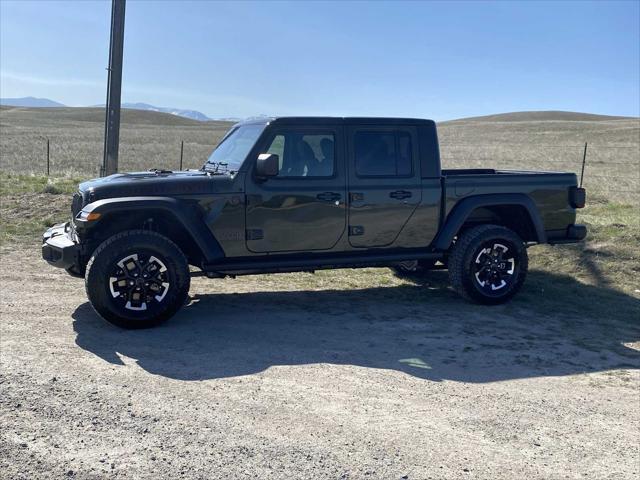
{"type": "Point", "coordinates": [29, 204]}
{"type": "Point", "coordinates": [597, 279]}
{"type": "Point", "coordinates": [14, 184]}
{"type": "Point", "coordinates": [25, 229]}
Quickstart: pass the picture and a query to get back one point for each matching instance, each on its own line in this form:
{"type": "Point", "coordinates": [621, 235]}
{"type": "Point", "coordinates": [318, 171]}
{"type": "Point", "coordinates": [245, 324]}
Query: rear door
{"type": "Point", "coordinates": [303, 208]}
{"type": "Point", "coordinates": [384, 182]}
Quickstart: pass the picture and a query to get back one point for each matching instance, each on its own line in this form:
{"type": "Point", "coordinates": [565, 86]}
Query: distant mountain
{"type": "Point", "coordinates": [33, 102]}
{"type": "Point", "coordinates": [192, 114]}
{"type": "Point", "coordinates": [230, 119]}
{"type": "Point", "coordinates": [30, 102]}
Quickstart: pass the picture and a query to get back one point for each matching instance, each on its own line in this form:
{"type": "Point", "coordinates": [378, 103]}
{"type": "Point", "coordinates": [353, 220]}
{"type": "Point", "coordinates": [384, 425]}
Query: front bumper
{"type": "Point", "coordinates": [573, 234]}
{"type": "Point", "coordinates": [59, 246]}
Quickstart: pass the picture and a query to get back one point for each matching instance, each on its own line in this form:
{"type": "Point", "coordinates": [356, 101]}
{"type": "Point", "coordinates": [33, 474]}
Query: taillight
{"type": "Point", "coordinates": [577, 197]}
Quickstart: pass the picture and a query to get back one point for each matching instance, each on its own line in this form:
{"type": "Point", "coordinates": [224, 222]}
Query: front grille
{"type": "Point", "coordinates": [76, 204]}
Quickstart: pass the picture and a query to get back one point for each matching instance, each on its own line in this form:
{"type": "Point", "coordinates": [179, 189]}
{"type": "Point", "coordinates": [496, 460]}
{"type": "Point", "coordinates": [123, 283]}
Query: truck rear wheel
{"type": "Point", "coordinates": [137, 279]}
{"type": "Point", "coordinates": [488, 264]}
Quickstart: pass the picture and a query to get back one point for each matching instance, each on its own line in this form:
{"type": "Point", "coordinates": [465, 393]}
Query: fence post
{"type": "Point", "coordinates": [584, 161]}
{"type": "Point", "coordinates": [181, 152]}
{"type": "Point", "coordinates": [48, 162]}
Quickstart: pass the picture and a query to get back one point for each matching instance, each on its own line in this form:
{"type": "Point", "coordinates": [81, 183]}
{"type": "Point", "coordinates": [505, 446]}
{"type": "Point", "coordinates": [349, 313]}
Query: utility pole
{"type": "Point", "coordinates": [114, 89]}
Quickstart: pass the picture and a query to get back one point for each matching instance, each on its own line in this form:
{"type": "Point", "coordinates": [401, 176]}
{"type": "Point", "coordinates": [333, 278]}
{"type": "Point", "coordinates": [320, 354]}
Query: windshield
{"type": "Point", "coordinates": [234, 148]}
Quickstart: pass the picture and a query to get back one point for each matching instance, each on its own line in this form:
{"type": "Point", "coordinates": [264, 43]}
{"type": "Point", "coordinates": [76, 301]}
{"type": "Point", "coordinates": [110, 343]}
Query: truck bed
{"type": "Point", "coordinates": [548, 190]}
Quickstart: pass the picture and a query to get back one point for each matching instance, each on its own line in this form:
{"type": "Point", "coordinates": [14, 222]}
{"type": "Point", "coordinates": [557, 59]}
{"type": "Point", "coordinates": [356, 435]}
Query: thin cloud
{"type": "Point", "coordinates": [52, 81]}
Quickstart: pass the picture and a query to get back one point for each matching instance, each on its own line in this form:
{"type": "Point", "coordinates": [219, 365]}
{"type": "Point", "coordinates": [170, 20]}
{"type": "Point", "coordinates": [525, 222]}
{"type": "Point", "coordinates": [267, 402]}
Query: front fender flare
{"type": "Point", "coordinates": [184, 213]}
{"type": "Point", "coordinates": [466, 206]}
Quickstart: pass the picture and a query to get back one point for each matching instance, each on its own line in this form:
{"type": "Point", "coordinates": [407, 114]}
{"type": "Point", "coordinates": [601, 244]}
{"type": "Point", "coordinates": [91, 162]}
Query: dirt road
{"type": "Point", "coordinates": [263, 380]}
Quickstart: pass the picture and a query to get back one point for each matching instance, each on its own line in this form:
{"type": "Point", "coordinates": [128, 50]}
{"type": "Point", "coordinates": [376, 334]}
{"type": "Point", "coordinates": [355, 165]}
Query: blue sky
{"type": "Point", "coordinates": [421, 59]}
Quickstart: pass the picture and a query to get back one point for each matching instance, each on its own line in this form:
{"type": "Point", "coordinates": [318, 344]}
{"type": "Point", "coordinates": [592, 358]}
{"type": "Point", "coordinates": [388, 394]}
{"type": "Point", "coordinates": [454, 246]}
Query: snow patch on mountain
{"type": "Point", "coordinates": [192, 114]}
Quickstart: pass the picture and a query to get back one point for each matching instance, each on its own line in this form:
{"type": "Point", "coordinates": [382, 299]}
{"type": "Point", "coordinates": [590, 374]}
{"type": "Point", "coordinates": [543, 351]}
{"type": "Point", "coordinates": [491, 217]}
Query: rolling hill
{"type": "Point", "coordinates": [97, 114]}
{"type": "Point", "coordinates": [192, 114]}
{"type": "Point", "coordinates": [180, 112]}
{"type": "Point", "coordinates": [541, 116]}
{"type": "Point", "coordinates": [33, 102]}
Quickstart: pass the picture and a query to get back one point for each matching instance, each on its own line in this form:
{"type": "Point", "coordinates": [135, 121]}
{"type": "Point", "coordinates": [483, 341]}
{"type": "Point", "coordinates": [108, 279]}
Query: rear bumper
{"type": "Point", "coordinates": [573, 234]}
{"type": "Point", "coordinates": [59, 248]}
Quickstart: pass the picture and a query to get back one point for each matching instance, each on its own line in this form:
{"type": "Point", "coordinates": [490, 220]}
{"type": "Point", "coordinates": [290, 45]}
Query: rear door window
{"type": "Point", "coordinates": [383, 154]}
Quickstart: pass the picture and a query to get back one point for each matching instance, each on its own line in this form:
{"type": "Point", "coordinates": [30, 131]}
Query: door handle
{"type": "Point", "coordinates": [400, 194]}
{"type": "Point", "coordinates": [328, 196]}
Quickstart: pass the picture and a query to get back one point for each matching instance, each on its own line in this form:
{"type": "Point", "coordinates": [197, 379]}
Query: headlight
{"type": "Point", "coordinates": [88, 216]}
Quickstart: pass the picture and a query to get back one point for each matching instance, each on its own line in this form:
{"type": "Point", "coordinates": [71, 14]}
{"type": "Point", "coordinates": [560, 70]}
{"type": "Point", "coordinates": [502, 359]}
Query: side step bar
{"type": "Point", "coordinates": [278, 264]}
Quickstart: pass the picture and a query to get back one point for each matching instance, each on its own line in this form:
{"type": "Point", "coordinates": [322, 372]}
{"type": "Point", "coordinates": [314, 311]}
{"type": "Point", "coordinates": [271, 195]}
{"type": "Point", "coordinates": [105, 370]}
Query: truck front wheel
{"type": "Point", "coordinates": [488, 264]}
{"type": "Point", "coordinates": [137, 279]}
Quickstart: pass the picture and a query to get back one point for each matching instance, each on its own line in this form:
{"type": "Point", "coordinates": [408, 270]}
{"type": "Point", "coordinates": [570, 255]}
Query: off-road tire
{"type": "Point", "coordinates": [99, 279]}
{"type": "Point", "coordinates": [464, 262]}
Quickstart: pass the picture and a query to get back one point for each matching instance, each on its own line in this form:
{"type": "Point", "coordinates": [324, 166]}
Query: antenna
{"type": "Point", "coordinates": [584, 161]}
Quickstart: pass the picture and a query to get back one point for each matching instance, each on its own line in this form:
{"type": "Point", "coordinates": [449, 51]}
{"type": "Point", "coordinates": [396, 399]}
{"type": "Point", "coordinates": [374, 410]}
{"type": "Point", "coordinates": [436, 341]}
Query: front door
{"type": "Point", "coordinates": [384, 183]}
{"type": "Point", "coordinates": [302, 208]}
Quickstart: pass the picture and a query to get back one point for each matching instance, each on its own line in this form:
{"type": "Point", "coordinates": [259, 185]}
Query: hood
{"type": "Point", "coordinates": [161, 183]}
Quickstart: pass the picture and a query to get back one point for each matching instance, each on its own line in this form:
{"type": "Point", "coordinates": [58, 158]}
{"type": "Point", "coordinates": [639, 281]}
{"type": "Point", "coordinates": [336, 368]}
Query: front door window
{"type": "Point", "coordinates": [304, 155]}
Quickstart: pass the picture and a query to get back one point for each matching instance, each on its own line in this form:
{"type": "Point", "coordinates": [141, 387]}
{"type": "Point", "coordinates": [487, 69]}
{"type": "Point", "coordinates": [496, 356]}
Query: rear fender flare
{"type": "Point", "coordinates": [463, 209]}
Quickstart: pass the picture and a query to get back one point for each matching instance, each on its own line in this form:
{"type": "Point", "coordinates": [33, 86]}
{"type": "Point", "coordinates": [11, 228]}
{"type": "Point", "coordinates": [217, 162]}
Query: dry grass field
{"type": "Point", "coordinates": [551, 141]}
{"type": "Point", "coordinates": [339, 374]}
{"type": "Point", "coordinates": [529, 140]}
{"type": "Point", "coordinates": [147, 139]}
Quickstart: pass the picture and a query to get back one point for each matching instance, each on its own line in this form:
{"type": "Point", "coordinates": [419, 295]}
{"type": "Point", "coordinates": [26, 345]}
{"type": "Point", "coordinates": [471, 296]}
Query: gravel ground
{"type": "Point", "coordinates": [265, 380]}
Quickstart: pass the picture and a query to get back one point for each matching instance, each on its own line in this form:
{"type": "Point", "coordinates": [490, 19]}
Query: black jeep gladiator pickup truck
{"type": "Point", "coordinates": [300, 194]}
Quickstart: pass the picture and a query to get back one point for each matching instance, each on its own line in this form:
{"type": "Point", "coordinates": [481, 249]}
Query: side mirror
{"type": "Point", "coordinates": [267, 165]}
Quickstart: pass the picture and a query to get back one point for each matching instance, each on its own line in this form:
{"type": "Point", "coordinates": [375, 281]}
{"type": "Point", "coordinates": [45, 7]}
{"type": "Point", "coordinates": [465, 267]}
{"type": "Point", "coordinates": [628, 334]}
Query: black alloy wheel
{"type": "Point", "coordinates": [494, 268]}
{"type": "Point", "coordinates": [139, 282]}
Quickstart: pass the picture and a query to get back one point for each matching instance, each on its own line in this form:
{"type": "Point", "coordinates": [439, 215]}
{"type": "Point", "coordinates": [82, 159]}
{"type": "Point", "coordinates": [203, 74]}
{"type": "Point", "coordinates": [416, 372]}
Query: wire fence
{"type": "Point", "coordinates": [73, 156]}
{"type": "Point", "coordinates": [612, 170]}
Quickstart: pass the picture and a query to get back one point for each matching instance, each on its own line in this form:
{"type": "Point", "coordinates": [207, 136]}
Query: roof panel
{"type": "Point", "coordinates": [340, 121]}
